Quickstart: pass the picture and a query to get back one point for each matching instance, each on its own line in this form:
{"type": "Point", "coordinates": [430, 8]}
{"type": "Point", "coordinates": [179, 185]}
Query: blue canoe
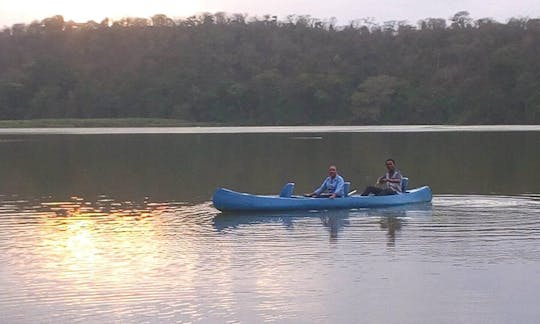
{"type": "Point", "coordinates": [231, 201]}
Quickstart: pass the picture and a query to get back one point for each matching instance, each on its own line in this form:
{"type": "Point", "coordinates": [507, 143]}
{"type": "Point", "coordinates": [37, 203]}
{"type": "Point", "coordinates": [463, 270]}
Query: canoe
{"type": "Point", "coordinates": [227, 200]}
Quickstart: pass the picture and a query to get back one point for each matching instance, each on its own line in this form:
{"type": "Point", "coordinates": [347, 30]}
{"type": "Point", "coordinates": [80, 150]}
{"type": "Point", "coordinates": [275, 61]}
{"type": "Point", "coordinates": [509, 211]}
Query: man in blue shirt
{"type": "Point", "coordinates": [332, 186]}
{"type": "Point", "coordinates": [389, 184]}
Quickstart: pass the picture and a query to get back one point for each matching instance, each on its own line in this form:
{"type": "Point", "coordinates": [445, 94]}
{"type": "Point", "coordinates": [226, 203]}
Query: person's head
{"type": "Point", "coordinates": [332, 171]}
{"type": "Point", "coordinates": [390, 164]}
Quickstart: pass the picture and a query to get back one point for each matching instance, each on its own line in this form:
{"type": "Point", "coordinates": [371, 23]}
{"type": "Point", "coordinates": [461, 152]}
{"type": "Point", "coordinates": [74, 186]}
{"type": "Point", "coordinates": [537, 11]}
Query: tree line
{"type": "Point", "coordinates": [236, 69]}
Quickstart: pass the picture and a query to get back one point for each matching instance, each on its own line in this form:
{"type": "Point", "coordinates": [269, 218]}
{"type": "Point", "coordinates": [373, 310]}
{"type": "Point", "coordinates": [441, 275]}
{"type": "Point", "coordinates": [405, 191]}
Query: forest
{"type": "Point", "coordinates": [234, 69]}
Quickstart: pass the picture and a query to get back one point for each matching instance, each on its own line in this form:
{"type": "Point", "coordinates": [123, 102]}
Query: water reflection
{"type": "Point", "coordinates": [392, 219]}
{"type": "Point", "coordinates": [335, 221]}
{"type": "Point", "coordinates": [92, 252]}
{"type": "Point", "coordinates": [224, 222]}
{"type": "Point", "coordinates": [107, 260]}
{"type": "Point", "coordinates": [391, 225]}
{"type": "Point", "coordinates": [163, 166]}
{"type": "Point", "coordinates": [131, 259]}
{"type": "Point", "coordinates": [114, 243]}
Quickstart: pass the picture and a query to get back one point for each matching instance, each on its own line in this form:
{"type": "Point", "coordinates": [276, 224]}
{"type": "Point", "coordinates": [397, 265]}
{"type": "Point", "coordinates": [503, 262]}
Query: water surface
{"type": "Point", "coordinates": [120, 227]}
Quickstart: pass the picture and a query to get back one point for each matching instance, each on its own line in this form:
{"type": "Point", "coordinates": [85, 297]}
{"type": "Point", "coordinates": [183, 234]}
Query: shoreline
{"type": "Point", "coordinates": [99, 122]}
{"type": "Point", "coordinates": [205, 129]}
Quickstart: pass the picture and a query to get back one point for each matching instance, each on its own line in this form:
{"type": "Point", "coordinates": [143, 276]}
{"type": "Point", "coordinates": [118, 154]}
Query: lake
{"type": "Point", "coordinates": [117, 225]}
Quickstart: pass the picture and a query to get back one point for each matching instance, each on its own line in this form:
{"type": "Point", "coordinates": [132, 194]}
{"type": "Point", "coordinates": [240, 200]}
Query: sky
{"type": "Point", "coordinates": [25, 11]}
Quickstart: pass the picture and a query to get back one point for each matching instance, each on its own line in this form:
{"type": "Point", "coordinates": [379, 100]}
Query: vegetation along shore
{"type": "Point", "coordinates": [234, 69]}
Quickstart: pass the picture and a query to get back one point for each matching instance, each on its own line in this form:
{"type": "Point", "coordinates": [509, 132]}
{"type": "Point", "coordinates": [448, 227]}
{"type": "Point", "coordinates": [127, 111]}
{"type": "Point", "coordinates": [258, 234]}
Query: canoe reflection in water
{"type": "Point", "coordinates": [224, 222]}
{"type": "Point", "coordinates": [334, 220]}
{"type": "Point", "coordinates": [390, 219]}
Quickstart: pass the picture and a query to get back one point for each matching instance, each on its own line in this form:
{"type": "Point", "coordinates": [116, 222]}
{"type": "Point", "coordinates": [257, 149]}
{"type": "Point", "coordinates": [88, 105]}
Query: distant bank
{"type": "Point", "coordinates": [179, 128]}
{"type": "Point", "coordinates": [234, 70]}
{"type": "Point", "coordinates": [99, 122]}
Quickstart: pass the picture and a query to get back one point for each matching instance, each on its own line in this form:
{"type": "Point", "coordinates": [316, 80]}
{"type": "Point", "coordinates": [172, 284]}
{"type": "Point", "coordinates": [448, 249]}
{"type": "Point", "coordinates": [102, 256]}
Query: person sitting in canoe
{"type": "Point", "coordinates": [332, 186]}
{"type": "Point", "coordinates": [388, 184]}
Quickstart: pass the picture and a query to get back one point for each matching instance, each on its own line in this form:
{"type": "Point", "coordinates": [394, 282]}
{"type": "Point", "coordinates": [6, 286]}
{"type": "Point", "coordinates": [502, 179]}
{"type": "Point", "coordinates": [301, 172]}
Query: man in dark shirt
{"type": "Point", "coordinates": [388, 184]}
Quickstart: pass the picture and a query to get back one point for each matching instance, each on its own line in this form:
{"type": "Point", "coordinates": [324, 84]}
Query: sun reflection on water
{"type": "Point", "coordinates": [81, 244]}
{"type": "Point", "coordinates": [89, 250]}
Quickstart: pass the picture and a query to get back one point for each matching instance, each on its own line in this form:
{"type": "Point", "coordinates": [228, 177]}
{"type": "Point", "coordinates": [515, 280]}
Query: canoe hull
{"type": "Point", "coordinates": [231, 201]}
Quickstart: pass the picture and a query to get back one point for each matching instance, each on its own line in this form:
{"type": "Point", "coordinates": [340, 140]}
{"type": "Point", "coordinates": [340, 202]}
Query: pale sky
{"type": "Point", "coordinates": [25, 11]}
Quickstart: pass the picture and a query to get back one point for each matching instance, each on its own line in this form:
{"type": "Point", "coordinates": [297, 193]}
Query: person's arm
{"type": "Point", "coordinates": [339, 188]}
{"type": "Point", "coordinates": [321, 188]}
{"type": "Point", "coordinates": [318, 190]}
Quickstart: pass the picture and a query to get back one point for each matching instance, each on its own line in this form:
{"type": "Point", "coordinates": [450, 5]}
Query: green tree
{"type": "Point", "coordinates": [373, 96]}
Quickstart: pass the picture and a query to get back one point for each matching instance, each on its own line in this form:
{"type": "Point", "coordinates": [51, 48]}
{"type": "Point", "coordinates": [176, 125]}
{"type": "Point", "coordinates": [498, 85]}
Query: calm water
{"type": "Point", "coordinates": [119, 227]}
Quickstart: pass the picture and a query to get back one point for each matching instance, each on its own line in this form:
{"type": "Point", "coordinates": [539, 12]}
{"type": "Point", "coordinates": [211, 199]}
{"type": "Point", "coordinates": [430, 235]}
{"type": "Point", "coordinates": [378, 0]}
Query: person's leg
{"type": "Point", "coordinates": [386, 192]}
{"type": "Point", "coordinates": [371, 190]}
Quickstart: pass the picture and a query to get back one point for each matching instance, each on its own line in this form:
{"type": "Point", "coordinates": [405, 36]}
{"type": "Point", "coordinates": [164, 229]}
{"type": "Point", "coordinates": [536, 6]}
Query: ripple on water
{"type": "Point", "coordinates": [103, 259]}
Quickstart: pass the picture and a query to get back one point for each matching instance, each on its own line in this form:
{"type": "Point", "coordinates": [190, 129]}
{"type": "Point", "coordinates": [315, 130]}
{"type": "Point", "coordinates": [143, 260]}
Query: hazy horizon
{"type": "Point", "coordinates": [344, 11]}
